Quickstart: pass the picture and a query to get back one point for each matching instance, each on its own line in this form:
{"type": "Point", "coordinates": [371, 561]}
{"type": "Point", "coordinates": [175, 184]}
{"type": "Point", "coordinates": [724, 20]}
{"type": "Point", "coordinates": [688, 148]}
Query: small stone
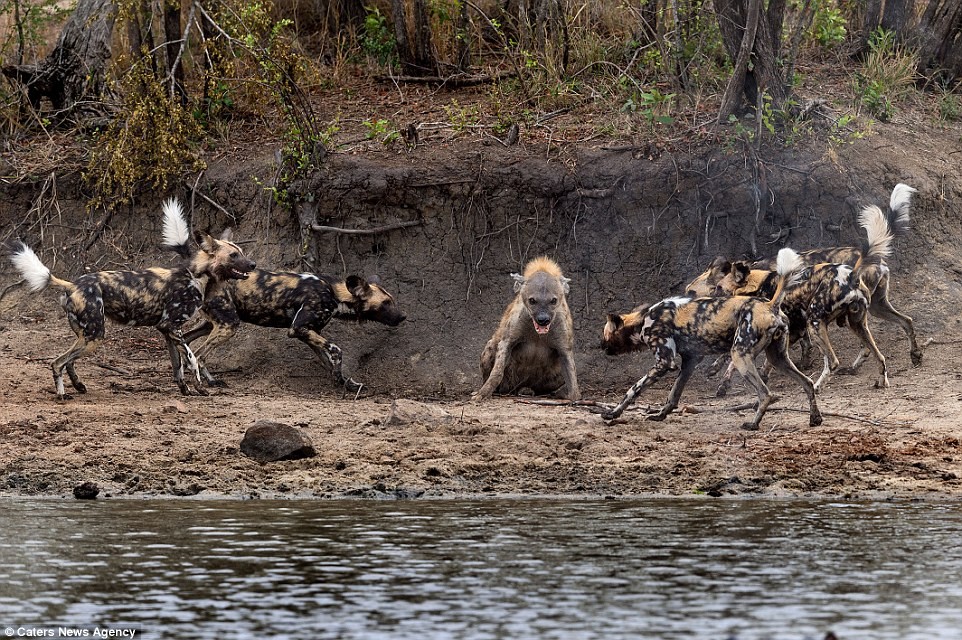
{"type": "Point", "coordinates": [267, 441]}
{"type": "Point", "coordinates": [86, 491]}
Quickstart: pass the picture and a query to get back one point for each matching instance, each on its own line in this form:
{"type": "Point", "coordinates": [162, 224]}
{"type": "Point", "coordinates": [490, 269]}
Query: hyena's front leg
{"type": "Point", "coordinates": [497, 371]}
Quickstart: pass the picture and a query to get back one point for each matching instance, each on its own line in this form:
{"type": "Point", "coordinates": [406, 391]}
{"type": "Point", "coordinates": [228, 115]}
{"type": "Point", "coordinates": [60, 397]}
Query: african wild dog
{"type": "Point", "coordinates": [301, 302]}
{"type": "Point", "coordinates": [692, 328]}
{"type": "Point", "coordinates": [827, 293]}
{"type": "Point", "coordinates": [154, 297]}
{"type": "Point", "coordinates": [757, 277]}
{"type": "Point", "coordinates": [533, 346]}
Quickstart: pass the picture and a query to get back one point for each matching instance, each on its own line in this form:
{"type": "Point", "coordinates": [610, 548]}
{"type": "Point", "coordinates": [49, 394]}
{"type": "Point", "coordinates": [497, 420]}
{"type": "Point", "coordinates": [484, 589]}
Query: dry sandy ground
{"type": "Point", "coordinates": [134, 435]}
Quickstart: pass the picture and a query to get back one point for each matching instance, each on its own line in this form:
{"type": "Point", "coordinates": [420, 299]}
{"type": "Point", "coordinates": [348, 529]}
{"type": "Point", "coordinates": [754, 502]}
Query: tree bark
{"type": "Point", "coordinates": [415, 51]}
{"type": "Point", "coordinates": [763, 74]}
{"type": "Point", "coordinates": [74, 73]}
{"type": "Point", "coordinates": [939, 34]}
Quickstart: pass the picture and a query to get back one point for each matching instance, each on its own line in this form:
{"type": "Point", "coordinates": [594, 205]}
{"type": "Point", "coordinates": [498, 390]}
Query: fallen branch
{"type": "Point", "coordinates": [550, 402]}
{"type": "Point", "coordinates": [110, 367]}
{"type": "Point", "coordinates": [211, 202]}
{"type": "Point", "coordinates": [830, 414]}
{"type": "Point", "coordinates": [366, 232]}
{"type": "Point", "coordinates": [11, 286]}
{"type": "Point", "coordinates": [456, 81]}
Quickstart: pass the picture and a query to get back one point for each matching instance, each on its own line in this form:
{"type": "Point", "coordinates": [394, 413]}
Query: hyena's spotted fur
{"type": "Point", "coordinates": [691, 328]}
{"type": "Point", "coordinates": [153, 297]}
{"type": "Point", "coordinates": [303, 303]}
{"type": "Point", "coordinates": [533, 346]}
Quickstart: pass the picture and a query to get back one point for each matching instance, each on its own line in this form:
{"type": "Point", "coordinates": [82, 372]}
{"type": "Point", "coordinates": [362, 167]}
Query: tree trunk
{"type": "Point", "coordinates": [940, 32]}
{"type": "Point", "coordinates": [414, 46]}
{"type": "Point", "coordinates": [763, 75]}
{"type": "Point", "coordinates": [174, 34]}
{"type": "Point", "coordinates": [74, 72]}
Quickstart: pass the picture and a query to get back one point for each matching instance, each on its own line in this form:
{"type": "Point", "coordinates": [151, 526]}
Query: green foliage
{"type": "Point", "coordinates": [828, 25]}
{"type": "Point", "coordinates": [887, 75]}
{"type": "Point", "coordinates": [461, 118]}
{"type": "Point", "coordinates": [653, 105]}
{"type": "Point", "coordinates": [377, 39]}
{"type": "Point", "coordinates": [26, 31]}
{"type": "Point", "coordinates": [381, 131]}
{"type": "Point", "coordinates": [151, 144]}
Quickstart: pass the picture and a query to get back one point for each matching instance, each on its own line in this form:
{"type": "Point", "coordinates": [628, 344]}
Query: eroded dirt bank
{"type": "Point", "coordinates": [625, 227]}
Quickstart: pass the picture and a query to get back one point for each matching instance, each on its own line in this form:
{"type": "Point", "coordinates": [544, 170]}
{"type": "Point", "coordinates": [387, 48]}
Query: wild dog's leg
{"type": "Point", "coordinates": [570, 375]}
{"type": "Point", "coordinates": [819, 333]}
{"type": "Point", "coordinates": [81, 347]}
{"type": "Point", "coordinates": [664, 357]}
{"type": "Point", "coordinates": [217, 334]}
{"type": "Point", "coordinates": [881, 307]}
{"type": "Point", "coordinates": [688, 364]}
{"type": "Point", "coordinates": [328, 352]}
{"type": "Point", "coordinates": [726, 383]}
{"type": "Point", "coordinates": [497, 371]}
{"type": "Point", "coordinates": [860, 329]}
{"type": "Point", "coordinates": [777, 354]}
{"type": "Point", "coordinates": [176, 363]}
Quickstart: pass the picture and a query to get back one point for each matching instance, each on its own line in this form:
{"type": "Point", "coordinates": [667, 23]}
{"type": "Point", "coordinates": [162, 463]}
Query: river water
{"type": "Point", "coordinates": [486, 569]}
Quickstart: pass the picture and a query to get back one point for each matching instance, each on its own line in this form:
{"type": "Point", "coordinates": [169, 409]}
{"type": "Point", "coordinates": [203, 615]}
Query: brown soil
{"type": "Point", "coordinates": [628, 226]}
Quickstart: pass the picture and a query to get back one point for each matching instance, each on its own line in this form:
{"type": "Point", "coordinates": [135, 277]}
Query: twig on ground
{"type": "Point", "coordinates": [110, 367]}
{"type": "Point", "coordinates": [366, 232]}
{"type": "Point", "coordinates": [558, 402]}
{"type": "Point", "coordinates": [11, 286]}
{"type": "Point", "coordinates": [831, 414]}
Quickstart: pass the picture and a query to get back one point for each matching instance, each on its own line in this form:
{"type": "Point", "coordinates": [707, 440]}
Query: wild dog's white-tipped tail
{"type": "Point", "coordinates": [176, 233]}
{"type": "Point", "coordinates": [878, 232]}
{"type": "Point", "coordinates": [900, 203]}
{"type": "Point", "coordinates": [787, 262]}
{"type": "Point", "coordinates": [30, 268]}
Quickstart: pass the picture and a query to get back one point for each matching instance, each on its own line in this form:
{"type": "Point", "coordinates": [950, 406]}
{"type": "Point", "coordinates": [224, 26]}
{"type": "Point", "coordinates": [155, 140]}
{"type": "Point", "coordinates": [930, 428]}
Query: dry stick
{"type": "Point", "coordinates": [451, 81]}
{"type": "Point", "coordinates": [831, 414]}
{"type": "Point", "coordinates": [214, 204]}
{"type": "Point", "coordinates": [11, 286]}
{"type": "Point", "coordinates": [547, 402]}
{"type": "Point", "coordinates": [366, 232]}
{"type": "Point", "coordinates": [110, 367]}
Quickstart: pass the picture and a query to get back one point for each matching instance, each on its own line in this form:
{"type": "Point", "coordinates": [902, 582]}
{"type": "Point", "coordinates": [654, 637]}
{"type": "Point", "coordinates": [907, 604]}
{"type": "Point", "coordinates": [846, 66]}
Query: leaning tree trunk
{"type": "Point", "coordinates": [940, 35]}
{"type": "Point", "coordinates": [74, 73]}
{"type": "Point", "coordinates": [413, 37]}
{"type": "Point", "coordinates": [752, 36]}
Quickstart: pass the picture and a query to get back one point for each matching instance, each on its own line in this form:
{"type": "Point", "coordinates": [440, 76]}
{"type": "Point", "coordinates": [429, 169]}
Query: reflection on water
{"type": "Point", "coordinates": [664, 568]}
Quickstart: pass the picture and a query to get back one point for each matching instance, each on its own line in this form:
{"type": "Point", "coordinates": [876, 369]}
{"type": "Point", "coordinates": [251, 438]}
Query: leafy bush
{"type": "Point", "coordinates": [887, 76]}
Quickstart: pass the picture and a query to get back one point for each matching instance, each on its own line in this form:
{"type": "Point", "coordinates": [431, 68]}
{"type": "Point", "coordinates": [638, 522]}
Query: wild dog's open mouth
{"type": "Point", "coordinates": [541, 329]}
{"type": "Point", "coordinates": [239, 275]}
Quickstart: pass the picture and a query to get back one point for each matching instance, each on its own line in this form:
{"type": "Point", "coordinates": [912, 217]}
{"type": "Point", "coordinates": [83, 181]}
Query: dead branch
{"type": "Point", "coordinates": [830, 414]}
{"type": "Point", "coordinates": [11, 286]}
{"type": "Point", "coordinates": [211, 201]}
{"type": "Point", "coordinates": [365, 232]}
{"type": "Point", "coordinates": [110, 367]}
{"type": "Point", "coordinates": [455, 81]}
{"type": "Point", "coordinates": [552, 402]}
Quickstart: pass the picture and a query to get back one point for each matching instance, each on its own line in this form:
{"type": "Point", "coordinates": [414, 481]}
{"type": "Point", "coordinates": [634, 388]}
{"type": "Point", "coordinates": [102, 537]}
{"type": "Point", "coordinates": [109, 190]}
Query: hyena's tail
{"type": "Point", "coordinates": [787, 266]}
{"type": "Point", "coordinates": [32, 270]}
{"type": "Point", "coordinates": [176, 232]}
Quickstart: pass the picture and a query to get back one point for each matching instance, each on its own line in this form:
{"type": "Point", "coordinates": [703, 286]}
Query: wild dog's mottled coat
{"type": "Point", "coordinates": [841, 293]}
{"type": "Point", "coordinates": [533, 346]}
{"type": "Point", "coordinates": [154, 297]}
{"type": "Point", "coordinates": [303, 303]}
{"type": "Point", "coordinates": [691, 328]}
{"type": "Point", "coordinates": [742, 278]}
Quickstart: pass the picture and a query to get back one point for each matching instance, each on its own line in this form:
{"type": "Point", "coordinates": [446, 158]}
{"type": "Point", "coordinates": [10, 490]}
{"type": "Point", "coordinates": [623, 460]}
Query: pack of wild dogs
{"type": "Point", "coordinates": [737, 310]}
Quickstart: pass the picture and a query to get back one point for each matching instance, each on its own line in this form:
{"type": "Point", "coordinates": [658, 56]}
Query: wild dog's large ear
{"type": "Point", "coordinates": [375, 280]}
{"type": "Point", "coordinates": [518, 281]}
{"type": "Point", "coordinates": [207, 242]}
{"type": "Point", "coordinates": [357, 286]}
{"type": "Point", "coordinates": [227, 234]}
{"type": "Point", "coordinates": [740, 272]}
{"type": "Point", "coordinates": [615, 322]}
{"type": "Point", "coordinates": [721, 264]}
{"type": "Point", "coordinates": [564, 283]}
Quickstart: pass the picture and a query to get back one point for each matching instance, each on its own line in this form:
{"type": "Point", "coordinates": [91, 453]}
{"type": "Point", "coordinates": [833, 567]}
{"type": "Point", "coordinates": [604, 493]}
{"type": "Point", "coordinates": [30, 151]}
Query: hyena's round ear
{"type": "Point", "coordinates": [518, 281]}
{"type": "Point", "coordinates": [565, 282]}
{"type": "Point", "coordinates": [356, 285]}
